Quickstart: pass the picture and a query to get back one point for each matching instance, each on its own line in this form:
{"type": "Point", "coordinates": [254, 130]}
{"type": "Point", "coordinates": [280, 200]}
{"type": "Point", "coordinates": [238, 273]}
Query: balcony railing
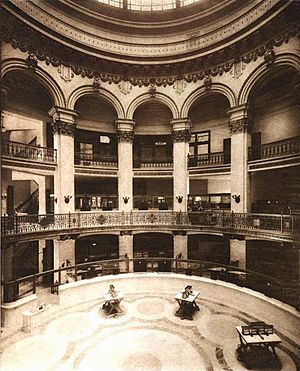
{"type": "Point", "coordinates": [284, 291]}
{"type": "Point", "coordinates": [275, 226]}
{"type": "Point", "coordinates": [209, 159]}
{"type": "Point", "coordinates": [95, 160]}
{"type": "Point", "coordinates": [280, 148]}
{"type": "Point", "coordinates": [27, 151]}
{"type": "Point", "coordinates": [153, 162]}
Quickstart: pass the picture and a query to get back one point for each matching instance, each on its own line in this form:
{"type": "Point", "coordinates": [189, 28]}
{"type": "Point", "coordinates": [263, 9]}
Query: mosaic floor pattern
{"type": "Point", "coordinates": [147, 336]}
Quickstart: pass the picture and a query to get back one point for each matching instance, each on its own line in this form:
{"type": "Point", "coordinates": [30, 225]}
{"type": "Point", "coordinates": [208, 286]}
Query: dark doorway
{"type": "Point", "coordinates": [227, 150]}
{"type": "Point", "coordinates": [48, 261]}
{"type": "Point", "coordinates": [256, 146]}
{"type": "Point", "coordinates": [153, 245]}
{"type": "Point", "coordinates": [209, 248]}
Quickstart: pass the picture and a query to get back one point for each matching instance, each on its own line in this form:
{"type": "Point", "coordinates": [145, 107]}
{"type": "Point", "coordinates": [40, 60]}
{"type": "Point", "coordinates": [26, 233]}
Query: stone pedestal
{"type": "Point", "coordinates": [63, 136]}
{"type": "Point", "coordinates": [181, 137]}
{"type": "Point", "coordinates": [240, 141]}
{"type": "Point", "coordinates": [125, 164]}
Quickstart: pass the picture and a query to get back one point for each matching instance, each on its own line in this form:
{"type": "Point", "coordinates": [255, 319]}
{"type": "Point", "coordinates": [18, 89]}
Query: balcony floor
{"type": "Point", "coordinates": [148, 336]}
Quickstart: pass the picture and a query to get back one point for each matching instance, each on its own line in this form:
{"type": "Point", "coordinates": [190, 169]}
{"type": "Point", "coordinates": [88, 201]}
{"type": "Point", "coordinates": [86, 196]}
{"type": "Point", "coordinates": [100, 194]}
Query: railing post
{"type": "Point", "coordinates": [232, 217]}
{"type": "Point", "coordinates": [34, 285]}
{"type": "Point", "coordinates": [69, 219]}
{"type": "Point", "coordinates": [75, 274]}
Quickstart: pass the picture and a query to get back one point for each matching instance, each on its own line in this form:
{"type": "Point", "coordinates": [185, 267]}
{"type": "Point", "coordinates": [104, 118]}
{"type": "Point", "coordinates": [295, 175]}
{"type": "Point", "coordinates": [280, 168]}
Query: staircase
{"type": "Point", "coordinates": [29, 206]}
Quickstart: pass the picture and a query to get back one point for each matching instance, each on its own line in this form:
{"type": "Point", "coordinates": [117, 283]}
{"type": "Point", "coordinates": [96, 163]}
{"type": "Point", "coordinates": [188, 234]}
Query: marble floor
{"type": "Point", "coordinates": [147, 336]}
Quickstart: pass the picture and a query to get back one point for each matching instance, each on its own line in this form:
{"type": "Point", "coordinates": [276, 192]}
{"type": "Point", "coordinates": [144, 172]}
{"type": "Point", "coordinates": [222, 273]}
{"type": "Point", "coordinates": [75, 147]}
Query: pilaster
{"type": "Point", "coordinates": [238, 252]}
{"type": "Point", "coordinates": [181, 137]}
{"type": "Point", "coordinates": [63, 136]}
{"type": "Point", "coordinates": [240, 140]}
{"type": "Point", "coordinates": [180, 243]}
{"type": "Point", "coordinates": [125, 163]}
{"type": "Point", "coordinates": [64, 255]}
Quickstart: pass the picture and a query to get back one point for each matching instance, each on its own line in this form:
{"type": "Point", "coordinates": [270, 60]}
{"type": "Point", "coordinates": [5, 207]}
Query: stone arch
{"type": "Point", "coordinates": [215, 88]}
{"type": "Point", "coordinates": [41, 76]}
{"type": "Point", "coordinates": [159, 97]}
{"type": "Point", "coordinates": [281, 60]}
{"type": "Point", "coordinates": [89, 90]}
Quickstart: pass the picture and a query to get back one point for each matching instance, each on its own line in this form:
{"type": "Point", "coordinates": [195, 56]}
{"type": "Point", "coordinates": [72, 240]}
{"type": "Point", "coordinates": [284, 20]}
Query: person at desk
{"type": "Point", "coordinates": [188, 290]}
{"type": "Point", "coordinates": [113, 293]}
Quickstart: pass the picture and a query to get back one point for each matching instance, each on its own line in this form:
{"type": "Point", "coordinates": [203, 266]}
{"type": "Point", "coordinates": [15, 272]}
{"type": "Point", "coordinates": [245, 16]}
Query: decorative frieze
{"type": "Point", "coordinates": [269, 57]}
{"type": "Point", "coordinates": [239, 126]}
{"type": "Point", "coordinates": [125, 136]}
{"type": "Point", "coordinates": [97, 83]}
{"type": "Point", "coordinates": [63, 128]}
{"type": "Point", "coordinates": [181, 135]}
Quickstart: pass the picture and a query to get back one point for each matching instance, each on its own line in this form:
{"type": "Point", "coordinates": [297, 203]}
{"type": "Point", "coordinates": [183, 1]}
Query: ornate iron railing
{"type": "Point", "coordinates": [209, 159]}
{"type": "Point", "coordinates": [275, 149]}
{"type": "Point", "coordinates": [287, 292]}
{"type": "Point", "coordinates": [27, 151]}
{"type": "Point", "coordinates": [153, 162]}
{"type": "Point", "coordinates": [95, 160]}
{"type": "Point", "coordinates": [223, 221]}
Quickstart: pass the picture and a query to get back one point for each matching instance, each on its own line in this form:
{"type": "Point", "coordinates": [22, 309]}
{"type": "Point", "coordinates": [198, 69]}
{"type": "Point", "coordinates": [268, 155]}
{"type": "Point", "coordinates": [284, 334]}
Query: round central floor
{"type": "Point", "coordinates": [147, 336]}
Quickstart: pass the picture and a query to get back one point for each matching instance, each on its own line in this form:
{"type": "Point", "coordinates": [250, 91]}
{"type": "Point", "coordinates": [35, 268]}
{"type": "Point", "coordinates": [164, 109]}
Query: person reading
{"type": "Point", "coordinates": [188, 290]}
{"type": "Point", "coordinates": [112, 291]}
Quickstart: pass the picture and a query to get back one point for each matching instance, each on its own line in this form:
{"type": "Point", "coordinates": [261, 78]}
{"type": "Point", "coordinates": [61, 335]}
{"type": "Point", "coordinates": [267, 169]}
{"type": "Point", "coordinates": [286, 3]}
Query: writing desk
{"type": "Point", "coordinates": [257, 336]}
{"type": "Point", "coordinates": [187, 306]}
{"type": "Point", "coordinates": [112, 303]}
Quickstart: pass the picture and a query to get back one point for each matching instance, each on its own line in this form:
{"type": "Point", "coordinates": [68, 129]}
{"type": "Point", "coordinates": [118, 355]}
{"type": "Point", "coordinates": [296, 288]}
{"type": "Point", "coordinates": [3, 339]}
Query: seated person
{"type": "Point", "coordinates": [112, 291]}
{"type": "Point", "coordinates": [187, 291]}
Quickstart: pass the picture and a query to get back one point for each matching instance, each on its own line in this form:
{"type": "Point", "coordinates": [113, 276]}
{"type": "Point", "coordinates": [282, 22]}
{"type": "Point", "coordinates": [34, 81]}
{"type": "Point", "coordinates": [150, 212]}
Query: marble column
{"type": "Point", "coordinates": [238, 252]}
{"type": "Point", "coordinates": [180, 241]}
{"type": "Point", "coordinates": [64, 254]}
{"type": "Point", "coordinates": [7, 272]}
{"type": "Point", "coordinates": [126, 248]}
{"type": "Point", "coordinates": [240, 141]}
{"type": "Point", "coordinates": [63, 136]}
{"type": "Point", "coordinates": [181, 138]}
{"type": "Point", "coordinates": [125, 164]}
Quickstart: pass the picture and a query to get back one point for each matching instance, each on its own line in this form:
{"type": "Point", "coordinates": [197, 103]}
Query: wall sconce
{"type": "Point", "coordinates": [125, 199]}
{"type": "Point", "coordinates": [179, 199]}
{"type": "Point", "coordinates": [4, 196]}
{"type": "Point", "coordinates": [237, 198]}
{"type": "Point", "coordinates": [67, 199]}
{"type": "Point", "coordinates": [54, 198]}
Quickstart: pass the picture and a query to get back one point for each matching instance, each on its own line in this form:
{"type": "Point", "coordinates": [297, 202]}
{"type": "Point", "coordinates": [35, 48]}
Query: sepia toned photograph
{"type": "Point", "coordinates": [150, 185]}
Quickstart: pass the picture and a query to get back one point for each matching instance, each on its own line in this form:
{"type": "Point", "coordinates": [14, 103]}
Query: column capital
{"type": "Point", "coordinates": [181, 136]}
{"type": "Point", "coordinates": [238, 119]}
{"type": "Point", "coordinates": [125, 130]}
{"type": "Point", "coordinates": [181, 124]}
{"type": "Point", "coordinates": [63, 120]}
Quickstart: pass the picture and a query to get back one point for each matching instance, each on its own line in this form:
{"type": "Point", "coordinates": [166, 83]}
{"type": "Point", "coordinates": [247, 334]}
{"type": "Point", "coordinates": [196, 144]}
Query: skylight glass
{"type": "Point", "coordinates": [148, 5]}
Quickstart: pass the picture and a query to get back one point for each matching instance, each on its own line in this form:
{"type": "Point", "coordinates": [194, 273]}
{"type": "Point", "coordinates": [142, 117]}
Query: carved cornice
{"type": "Point", "coordinates": [239, 126]}
{"type": "Point", "coordinates": [63, 128]}
{"type": "Point", "coordinates": [253, 46]}
{"type": "Point", "coordinates": [181, 136]}
{"type": "Point", "coordinates": [125, 136]}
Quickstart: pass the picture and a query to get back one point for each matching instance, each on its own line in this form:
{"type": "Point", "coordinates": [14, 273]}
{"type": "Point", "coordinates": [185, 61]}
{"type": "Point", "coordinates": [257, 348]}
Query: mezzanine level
{"type": "Point", "coordinates": [28, 227]}
{"type": "Point", "coordinates": [280, 153]}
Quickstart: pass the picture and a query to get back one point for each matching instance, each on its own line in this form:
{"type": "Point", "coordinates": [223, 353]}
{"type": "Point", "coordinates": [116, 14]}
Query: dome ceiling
{"type": "Point", "coordinates": [205, 34]}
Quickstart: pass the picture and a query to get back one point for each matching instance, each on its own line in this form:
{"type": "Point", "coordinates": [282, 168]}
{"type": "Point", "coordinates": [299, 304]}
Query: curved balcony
{"type": "Point", "coordinates": [153, 163]}
{"type": "Point", "coordinates": [95, 160]}
{"type": "Point", "coordinates": [27, 227]}
{"type": "Point", "coordinates": [280, 153]}
{"type": "Point", "coordinates": [287, 292]}
{"type": "Point", "coordinates": [215, 162]}
{"type": "Point", "coordinates": [23, 151]}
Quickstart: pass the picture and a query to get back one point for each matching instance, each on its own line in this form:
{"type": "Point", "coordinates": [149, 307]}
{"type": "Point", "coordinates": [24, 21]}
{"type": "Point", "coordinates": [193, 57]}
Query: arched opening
{"type": "Point", "coordinates": [152, 149]}
{"type": "Point", "coordinates": [210, 145]}
{"type": "Point", "coordinates": [96, 145]}
{"type": "Point", "coordinates": [26, 134]}
{"type": "Point", "coordinates": [275, 131]}
{"type": "Point", "coordinates": [153, 245]}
